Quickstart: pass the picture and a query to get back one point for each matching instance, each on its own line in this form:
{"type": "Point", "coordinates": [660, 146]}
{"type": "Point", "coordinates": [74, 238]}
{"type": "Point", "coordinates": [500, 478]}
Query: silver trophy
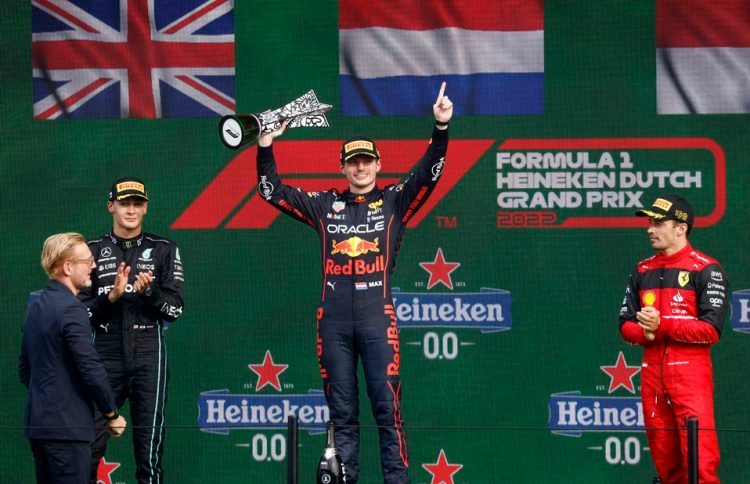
{"type": "Point", "coordinates": [240, 129]}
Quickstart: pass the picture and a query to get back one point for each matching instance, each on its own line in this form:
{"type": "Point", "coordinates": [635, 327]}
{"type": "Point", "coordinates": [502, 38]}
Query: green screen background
{"type": "Point", "coordinates": [249, 291]}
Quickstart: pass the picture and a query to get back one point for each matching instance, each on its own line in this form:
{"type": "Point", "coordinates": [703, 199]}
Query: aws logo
{"type": "Point", "coordinates": [231, 200]}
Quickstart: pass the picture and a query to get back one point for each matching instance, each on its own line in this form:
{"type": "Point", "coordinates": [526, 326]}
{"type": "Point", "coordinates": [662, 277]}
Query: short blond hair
{"type": "Point", "coordinates": [57, 249]}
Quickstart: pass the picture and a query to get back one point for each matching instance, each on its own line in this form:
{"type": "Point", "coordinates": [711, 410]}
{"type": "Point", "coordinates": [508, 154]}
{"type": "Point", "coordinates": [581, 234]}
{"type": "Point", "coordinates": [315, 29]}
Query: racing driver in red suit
{"type": "Point", "coordinates": [360, 231]}
{"type": "Point", "coordinates": [674, 307]}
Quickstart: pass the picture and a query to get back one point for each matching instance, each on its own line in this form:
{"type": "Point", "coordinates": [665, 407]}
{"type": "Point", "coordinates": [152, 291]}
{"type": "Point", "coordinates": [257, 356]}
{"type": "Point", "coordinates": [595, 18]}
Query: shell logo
{"type": "Point", "coordinates": [648, 298]}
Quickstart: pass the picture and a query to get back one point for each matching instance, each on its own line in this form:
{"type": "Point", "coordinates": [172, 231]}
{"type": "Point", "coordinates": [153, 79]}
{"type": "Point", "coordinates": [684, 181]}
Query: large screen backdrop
{"type": "Point", "coordinates": [509, 281]}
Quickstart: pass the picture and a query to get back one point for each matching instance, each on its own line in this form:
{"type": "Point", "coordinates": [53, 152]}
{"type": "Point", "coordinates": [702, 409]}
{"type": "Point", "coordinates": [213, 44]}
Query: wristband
{"type": "Point", "coordinates": [113, 417]}
{"type": "Point", "coordinates": [441, 123]}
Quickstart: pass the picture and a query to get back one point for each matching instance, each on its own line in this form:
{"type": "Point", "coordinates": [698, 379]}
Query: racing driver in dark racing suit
{"type": "Point", "coordinates": [674, 307]}
{"type": "Point", "coordinates": [360, 231]}
{"type": "Point", "coordinates": [137, 284]}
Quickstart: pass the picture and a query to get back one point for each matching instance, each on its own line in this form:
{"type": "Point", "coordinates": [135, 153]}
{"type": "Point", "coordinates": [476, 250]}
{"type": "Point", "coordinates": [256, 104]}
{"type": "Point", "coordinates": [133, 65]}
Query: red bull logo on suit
{"type": "Point", "coordinates": [354, 246]}
{"type": "Point", "coordinates": [355, 267]}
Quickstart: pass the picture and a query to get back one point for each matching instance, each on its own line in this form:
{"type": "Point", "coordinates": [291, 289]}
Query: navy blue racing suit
{"type": "Point", "coordinates": [359, 238]}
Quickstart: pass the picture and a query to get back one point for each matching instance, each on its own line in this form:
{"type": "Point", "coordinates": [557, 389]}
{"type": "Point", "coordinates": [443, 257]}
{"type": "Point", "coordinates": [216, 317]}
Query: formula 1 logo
{"type": "Point", "coordinates": [231, 200]}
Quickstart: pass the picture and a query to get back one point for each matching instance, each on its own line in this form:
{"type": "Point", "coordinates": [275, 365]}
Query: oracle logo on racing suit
{"type": "Point", "coordinates": [355, 229]}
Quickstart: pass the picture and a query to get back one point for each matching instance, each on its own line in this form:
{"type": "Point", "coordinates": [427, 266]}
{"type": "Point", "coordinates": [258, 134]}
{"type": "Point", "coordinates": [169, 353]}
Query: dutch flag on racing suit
{"type": "Point", "coordinates": [133, 58]}
{"type": "Point", "coordinates": [393, 56]}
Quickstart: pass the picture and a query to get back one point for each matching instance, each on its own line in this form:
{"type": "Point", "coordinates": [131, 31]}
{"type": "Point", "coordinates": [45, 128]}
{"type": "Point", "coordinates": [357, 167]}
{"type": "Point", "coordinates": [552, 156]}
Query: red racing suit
{"type": "Point", "coordinates": [689, 289]}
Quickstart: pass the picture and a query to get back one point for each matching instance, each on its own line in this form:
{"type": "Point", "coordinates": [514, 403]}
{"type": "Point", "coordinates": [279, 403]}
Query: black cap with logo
{"type": "Point", "coordinates": [358, 146]}
{"type": "Point", "coordinates": [127, 187]}
{"type": "Point", "coordinates": [669, 207]}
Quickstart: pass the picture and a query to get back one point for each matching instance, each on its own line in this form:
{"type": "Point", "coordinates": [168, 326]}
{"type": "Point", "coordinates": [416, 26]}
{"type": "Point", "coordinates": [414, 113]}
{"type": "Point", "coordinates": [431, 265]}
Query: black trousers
{"type": "Point", "coordinates": [139, 376]}
{"type": "Point", "coordinates": [61, 461]}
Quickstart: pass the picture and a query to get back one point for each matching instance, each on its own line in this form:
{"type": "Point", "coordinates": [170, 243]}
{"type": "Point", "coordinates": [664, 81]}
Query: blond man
{"type": "Point", "coordinates": [60, 368]}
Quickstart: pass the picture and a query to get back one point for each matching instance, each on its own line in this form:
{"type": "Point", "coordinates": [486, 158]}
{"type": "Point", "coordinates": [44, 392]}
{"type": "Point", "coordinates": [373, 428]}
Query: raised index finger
{"type": "Point", "coordinates": [440, 94]}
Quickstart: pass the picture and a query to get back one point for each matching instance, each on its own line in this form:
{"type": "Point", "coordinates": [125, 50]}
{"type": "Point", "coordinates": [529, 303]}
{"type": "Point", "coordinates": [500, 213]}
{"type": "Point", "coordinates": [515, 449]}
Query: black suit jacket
{"type": "Point", "coordinates": [61, 368]}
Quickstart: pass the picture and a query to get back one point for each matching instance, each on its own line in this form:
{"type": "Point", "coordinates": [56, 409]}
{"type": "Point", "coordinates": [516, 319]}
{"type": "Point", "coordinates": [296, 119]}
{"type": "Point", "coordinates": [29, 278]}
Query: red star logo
{"type": "Point", "coordinates": [442, 472]}
{"type": "Point", "coordinates": [104, 470]}
{"type": "Point", "coordinates": [440, 271]}
{"type": "Point", "coordinates": [268, 373]}
{"type": "Point", "coordinates": [621, 375]}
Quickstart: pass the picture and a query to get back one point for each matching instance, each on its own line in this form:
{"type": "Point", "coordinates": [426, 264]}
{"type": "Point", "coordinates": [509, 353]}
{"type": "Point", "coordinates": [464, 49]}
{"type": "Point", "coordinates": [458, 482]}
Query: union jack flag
{"type": "Point", "coordinates": [132, 58]}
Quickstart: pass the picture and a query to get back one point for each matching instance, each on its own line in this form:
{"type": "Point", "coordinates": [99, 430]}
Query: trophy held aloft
{"type": "Point", "coordinates": [238, 130]}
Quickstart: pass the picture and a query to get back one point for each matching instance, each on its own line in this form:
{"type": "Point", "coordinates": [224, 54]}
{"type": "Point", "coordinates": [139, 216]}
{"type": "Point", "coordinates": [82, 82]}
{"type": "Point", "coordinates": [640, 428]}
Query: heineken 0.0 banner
{"type": "Point", "coordinates": [568, 117]}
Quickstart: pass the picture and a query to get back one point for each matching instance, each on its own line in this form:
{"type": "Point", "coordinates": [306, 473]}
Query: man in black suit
{"type": "Point", "coordinates": [61, 368]}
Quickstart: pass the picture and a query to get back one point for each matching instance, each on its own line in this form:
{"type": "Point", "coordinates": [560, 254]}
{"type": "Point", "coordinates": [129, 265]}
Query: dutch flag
{"type": "Point", "coordinates": [394, 55]}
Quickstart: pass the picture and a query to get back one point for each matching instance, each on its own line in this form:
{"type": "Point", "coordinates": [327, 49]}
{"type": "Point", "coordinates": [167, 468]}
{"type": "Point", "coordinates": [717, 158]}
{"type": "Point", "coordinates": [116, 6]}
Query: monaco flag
{"type": "Point", "coordinates": [393, 56]}
{"type": "Point", "coordinates": [703, 56]}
